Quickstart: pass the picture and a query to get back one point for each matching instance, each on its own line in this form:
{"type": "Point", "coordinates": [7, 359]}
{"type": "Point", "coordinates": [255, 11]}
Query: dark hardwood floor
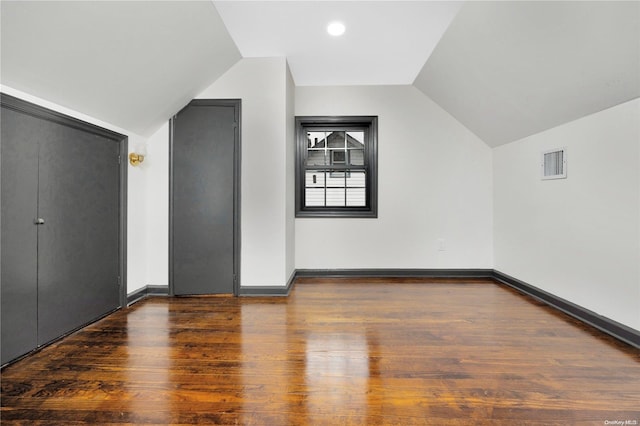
{"type": "Point", "coordinates": [336, 352]}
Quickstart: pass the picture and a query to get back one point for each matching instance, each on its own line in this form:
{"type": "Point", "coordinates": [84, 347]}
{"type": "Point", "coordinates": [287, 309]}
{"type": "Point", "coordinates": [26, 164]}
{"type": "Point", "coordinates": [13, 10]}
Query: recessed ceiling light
{"type": "Point", "coordinates": [336, 29]}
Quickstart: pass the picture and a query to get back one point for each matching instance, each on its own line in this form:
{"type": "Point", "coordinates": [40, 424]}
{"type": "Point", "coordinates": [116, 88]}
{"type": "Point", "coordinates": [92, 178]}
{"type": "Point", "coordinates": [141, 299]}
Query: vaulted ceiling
{"type": "Point", "coordinates": [505, 69]}
{"type": "Point", "coordinates": [385, 42]}
{"type": "Point", "coordinates": [130, 63]}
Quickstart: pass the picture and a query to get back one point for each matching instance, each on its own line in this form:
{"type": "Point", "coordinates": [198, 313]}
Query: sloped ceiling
{"type": "Point", "coordinates": [507, 70]}
{"type": "Point", "coordinates": [132, 64]}
{"type": "Point", "coordinates": [386, 42]}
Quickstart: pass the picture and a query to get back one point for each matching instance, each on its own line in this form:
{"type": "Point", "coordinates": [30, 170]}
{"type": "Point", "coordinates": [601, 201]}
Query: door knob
{"type": "Point", "coordinates": [38, 221]}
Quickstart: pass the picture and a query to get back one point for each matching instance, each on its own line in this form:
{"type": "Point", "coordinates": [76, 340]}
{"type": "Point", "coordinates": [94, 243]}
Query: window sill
{"type": "Point", "coordinates": [347, 214]}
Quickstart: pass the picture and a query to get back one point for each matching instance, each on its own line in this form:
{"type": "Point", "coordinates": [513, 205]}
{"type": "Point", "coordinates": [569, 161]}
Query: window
{"type": "Point", "coordinates": [336, 170]}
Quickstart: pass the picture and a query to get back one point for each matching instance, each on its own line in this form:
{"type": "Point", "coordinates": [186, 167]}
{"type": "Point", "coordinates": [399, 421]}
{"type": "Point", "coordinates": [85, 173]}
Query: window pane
{"type": "Point", "coordinates": [355, 139]}
{"type": "Point", "coordinates": [336, 139]}
{"type": "Point", "coordinates": [314, 197]}
{"type": "Point", "coordinates": [314, 179]}
{"type": "Point", "coordinates": [315, 140]}
{"type": "Point", "coordinates": [335, 196]}
{"type": "Point", "coordinates": [355, 191]}
{"type": "Point", "coordinates": [335, 180]}
{"type": "Point", "coordinates": [356, 179]}
{"type": "Point", "coordinates": [314, 188]}
{"type": "Point", "coordinates": [356, 157]}
{"type": "Point", "coordinates": [338, 156]}
{"type": "Point", "coordinates": [356, 197]}
{"type": "Point", "coordinates": [316, 151]}
{"type": "Point", "coordinates": [316, 157]}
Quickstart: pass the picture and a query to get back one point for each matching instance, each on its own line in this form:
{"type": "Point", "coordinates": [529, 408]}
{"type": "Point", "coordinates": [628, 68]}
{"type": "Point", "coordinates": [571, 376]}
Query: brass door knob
{"type": "Point", "coordinates": [135, 159]}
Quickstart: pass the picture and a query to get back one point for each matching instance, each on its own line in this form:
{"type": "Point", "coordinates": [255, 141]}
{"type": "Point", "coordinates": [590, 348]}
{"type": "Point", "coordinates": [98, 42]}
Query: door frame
{"type": "Point", "coordinates": [237, 157]}
{"type": "Point", "coordinates": [41, 112]}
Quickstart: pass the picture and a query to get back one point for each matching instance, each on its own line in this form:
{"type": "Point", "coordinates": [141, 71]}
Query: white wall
{"type": "Point", "coordinates": [262, 85]}
{"type": "Point", "coordinates": [137, 213]}
{"type": "Point", "coordinates": [434, 181]}
{"type": "Point", "coordinates": [156, 196]}
{"type": "Point", "coordinates": [290, 151]}
{"type": "Point", "coordinates": [577, 238]}
{"type": "Point", "coordinates": [137, 206]}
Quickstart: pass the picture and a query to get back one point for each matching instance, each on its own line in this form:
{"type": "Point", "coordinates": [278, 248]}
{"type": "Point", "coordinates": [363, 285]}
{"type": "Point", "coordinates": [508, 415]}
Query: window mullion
{"type": "Point", "coordinates": [326, 152]}
{"type": "Point", "coordinates": [345, 171]}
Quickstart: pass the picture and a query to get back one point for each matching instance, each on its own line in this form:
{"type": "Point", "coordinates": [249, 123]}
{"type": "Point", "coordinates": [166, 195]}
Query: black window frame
{"type": "Point", "coordinates": [369, 124]}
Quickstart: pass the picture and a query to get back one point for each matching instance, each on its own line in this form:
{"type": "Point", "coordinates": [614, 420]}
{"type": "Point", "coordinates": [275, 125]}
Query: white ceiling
{"type": "Point", "coordinates": [386, 42]}
{"type": "Point", "coordinates": [130, 63]}
{"type": "Point", "coordinates": [507, 70]}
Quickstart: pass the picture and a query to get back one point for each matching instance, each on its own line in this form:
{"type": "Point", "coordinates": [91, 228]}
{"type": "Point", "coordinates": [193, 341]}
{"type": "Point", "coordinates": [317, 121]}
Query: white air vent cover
{"type": "Point", "coordinates": [554, 164]}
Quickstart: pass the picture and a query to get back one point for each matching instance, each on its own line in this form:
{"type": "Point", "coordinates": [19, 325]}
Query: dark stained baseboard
{"type": "Point", "coordinates": [609, 326]}
{"type": "Point", "coordinates": [418, 273]}
{"type": "Point", "coordinates": [146, 291]}
{"type": "Point", "coordinates": [434, 273]}
{"type": "Point", "coordinates": [264, 291]}
{"type": "Point", "coordinates": [270, 290]}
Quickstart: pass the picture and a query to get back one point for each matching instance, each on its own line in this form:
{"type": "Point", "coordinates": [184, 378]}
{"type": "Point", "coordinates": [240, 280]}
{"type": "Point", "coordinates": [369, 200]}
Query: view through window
{"type": "Point", "coordinates": [336, 166]}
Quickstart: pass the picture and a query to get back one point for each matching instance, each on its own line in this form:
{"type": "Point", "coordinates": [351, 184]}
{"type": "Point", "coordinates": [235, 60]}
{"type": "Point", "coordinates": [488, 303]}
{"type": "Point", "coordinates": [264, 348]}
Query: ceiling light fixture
{"type": "Point", "coordinates": [336, 28]}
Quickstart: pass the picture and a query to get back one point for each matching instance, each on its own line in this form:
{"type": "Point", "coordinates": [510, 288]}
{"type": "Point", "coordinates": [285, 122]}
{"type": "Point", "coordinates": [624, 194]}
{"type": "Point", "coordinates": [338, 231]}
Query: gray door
{"type": "Point", "coordinates": [78, 258]}
{"type": "Point", "coordinates": [204, 228]}
{"type": "Point", "coordinates": [19, 233]}
{"type": "Point", "coordinates": [60, 251]}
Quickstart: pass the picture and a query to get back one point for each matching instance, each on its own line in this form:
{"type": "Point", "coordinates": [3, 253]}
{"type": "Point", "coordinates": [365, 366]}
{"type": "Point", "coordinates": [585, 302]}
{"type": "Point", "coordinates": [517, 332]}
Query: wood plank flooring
{"type": "Point", "coordinates": [336, 352]}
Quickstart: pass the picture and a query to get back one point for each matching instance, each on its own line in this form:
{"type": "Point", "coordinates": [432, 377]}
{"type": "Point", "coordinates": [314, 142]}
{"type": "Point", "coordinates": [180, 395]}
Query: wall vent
{"type": "Point", "coordinates": [554, 164]}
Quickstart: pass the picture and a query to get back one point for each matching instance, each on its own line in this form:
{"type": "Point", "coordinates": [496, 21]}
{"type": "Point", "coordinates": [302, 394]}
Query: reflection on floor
{"type": "Point", "coordinates": [336, 352]}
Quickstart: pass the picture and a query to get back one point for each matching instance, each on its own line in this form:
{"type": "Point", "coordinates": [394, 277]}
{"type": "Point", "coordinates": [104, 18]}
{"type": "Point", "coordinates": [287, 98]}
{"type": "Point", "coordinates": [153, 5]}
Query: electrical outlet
{"type": "Point", "coordinates": [442, 245]}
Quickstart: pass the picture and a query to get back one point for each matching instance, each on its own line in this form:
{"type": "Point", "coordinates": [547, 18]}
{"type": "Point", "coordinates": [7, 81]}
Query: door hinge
{"type": "Point", "coordinates": [119, 281]}
{"type": "Point", "coordinates": [119, 159]}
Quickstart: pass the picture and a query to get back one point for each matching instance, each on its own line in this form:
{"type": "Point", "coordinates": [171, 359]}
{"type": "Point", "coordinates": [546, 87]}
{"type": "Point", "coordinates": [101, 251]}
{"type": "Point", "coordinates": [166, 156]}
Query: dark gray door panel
{"type": "Point", "coordinates": [78, 243]}
{"type": "Point", "coordinates": [63, 225]}
{"type": "Point", "coordinates": [19, 153]}
{"type": "Point", "coordinates": [203, 200]}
